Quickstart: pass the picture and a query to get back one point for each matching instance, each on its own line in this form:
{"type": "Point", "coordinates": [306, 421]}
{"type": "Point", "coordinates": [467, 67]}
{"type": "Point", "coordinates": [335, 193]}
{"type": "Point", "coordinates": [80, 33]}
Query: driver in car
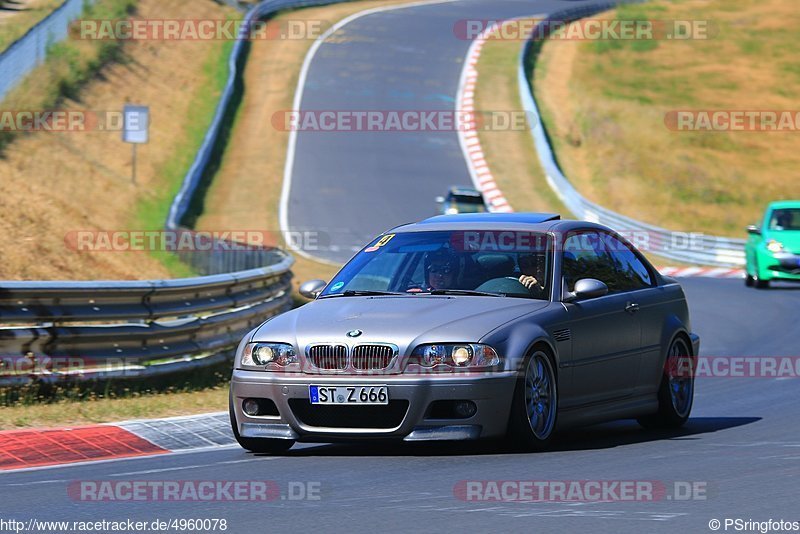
{"type": "Point", "coordinates": [440, 271]}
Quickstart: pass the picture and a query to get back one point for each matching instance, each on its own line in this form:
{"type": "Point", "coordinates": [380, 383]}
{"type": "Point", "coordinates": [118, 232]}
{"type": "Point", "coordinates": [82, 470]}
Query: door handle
{"type": "Point", "coordinates": [631, 307]}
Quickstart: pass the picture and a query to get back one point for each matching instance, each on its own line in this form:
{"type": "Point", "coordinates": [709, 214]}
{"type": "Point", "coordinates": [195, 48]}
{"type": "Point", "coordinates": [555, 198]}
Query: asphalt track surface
{"type": "Point", "coordinates": [741, 443]}
{"type": "Point", "coordinates": [355, 185]}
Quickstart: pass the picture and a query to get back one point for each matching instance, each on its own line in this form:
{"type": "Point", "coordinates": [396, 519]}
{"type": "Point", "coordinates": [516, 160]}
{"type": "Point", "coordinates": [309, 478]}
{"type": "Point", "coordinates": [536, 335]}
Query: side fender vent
{"type": "Point", "coordinates": [562, 335]}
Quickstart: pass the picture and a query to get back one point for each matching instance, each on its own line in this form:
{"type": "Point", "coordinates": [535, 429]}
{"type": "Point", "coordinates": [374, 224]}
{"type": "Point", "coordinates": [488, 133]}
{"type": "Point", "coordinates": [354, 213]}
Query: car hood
{"type": "Point", "coordinates": [402, 320]}
{"type": "Point", "coordinates": [789, 238]}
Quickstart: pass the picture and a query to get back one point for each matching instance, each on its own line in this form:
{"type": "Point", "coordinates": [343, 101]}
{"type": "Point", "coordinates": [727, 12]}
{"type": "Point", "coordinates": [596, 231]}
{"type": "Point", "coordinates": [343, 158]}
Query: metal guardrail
{"type": "Point", "coordinates": [703, 249]}
{"type": "Point", "coordinates": [27, 52]}
{"type": "Point", "coordinates": [211, 255]}
{"type": "Point", "coordinates": [55, 331]}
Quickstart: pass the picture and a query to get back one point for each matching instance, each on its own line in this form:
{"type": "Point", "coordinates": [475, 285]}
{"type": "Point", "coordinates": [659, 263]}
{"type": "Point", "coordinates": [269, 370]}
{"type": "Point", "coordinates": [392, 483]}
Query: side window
{"type": "Point", "coordinates": [631, 272]}
{"type": "Point", "coordinates": [603, 257]}
{"type": "Point", "coordinates": [583, 258]}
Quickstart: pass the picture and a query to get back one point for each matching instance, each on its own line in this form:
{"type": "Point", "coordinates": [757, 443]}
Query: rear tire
{"type": "Point", "coordinates": [258, 445]}
{"type": "Point", "coordinates": [534, 409]}
{"type": "Point", "coordinates": [749, 281]}
{"type": "Point", "coordinates": [676, 392]}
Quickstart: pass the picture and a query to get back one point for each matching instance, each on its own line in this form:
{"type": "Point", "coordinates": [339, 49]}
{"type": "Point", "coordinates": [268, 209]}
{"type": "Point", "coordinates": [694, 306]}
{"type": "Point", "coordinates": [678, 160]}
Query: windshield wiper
{"type": "Point", "coordinates": [465, 292]}
{"type": "Point", "coordinates": [362, 293]}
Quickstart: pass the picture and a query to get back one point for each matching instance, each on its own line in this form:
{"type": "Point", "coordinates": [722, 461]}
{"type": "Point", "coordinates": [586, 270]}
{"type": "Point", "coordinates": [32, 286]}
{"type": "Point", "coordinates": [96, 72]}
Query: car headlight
{"type": "Point", "coordinates": [455, 355]}
{"type": "Point", "coordinates": [774, 246]}
{"type": "Point", "coordinates": [268, 354]}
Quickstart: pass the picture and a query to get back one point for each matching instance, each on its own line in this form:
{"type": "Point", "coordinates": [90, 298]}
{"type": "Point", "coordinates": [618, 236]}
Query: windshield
{"type": "Point", "coordinates": [468, 203]}
{"type": "Point", "coordinates": [510, 264]}
{"type": "Point", "coordinates": [785, 219]}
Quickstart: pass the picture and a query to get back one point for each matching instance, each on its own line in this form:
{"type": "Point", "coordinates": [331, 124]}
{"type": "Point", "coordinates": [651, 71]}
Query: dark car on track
{"type": "Point", "coordinates": [471, 326]}
{"type": "Point", "coordinates": [462, 200]}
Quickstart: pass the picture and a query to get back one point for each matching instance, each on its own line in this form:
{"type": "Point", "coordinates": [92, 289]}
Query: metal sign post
{"type": "Point", "coordinates": [135, 130]}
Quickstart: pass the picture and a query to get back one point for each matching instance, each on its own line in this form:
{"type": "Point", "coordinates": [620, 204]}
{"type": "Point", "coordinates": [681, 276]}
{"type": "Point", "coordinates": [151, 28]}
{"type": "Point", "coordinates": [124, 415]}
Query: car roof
{"type": "Point", "coordinates": [528, 222]}
{"type": "Point", "coordinates": [464, 191]}
{"type": "Point", "coordinates": [779, 204]}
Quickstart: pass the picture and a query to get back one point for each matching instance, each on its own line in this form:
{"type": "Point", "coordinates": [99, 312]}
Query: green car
{"type": "Point", "coordinates": [772, 251]}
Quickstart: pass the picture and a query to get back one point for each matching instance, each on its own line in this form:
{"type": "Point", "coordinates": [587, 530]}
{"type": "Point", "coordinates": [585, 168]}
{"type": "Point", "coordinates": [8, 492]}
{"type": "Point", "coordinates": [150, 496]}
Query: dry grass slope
{"type": "Point", "coordinates": [604, 105]}
{"type": "Point", "coordinates": [54, 183]}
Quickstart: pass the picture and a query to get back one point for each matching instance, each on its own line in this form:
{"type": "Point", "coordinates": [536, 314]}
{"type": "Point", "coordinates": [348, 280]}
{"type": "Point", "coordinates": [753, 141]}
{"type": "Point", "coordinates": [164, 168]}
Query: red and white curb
{"type": "Point", "coordinates": [704, 272]}
{"type": "Point", "coordinates": [36, 448]}
{"type": "Point", "coordinates": [467, 129]}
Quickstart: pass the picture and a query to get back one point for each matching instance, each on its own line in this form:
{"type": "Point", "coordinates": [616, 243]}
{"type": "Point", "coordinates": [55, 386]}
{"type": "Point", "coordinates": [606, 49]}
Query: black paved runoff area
{"type": "Point", "coordinates": [351, 186]}
{"type": "Point", "coordinates": [741, 446]}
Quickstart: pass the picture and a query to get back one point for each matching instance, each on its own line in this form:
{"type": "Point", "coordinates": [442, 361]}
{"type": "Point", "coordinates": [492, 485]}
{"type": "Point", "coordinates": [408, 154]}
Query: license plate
{"type": "Point", "coordinates": [345, 395]}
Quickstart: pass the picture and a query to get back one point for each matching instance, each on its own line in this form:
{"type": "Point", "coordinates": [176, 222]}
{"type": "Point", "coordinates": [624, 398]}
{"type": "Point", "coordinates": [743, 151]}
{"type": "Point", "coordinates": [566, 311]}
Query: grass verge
{"type": "Point", "coordinates": [197, 391]}
{"type": "Point", "coordinates": [100, 409]}
{"type": "Point", "coordinates": [76, 181]}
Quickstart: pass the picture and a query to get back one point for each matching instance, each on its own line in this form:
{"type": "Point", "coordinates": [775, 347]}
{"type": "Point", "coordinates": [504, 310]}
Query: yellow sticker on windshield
{"type": "Point", "coordinates": [385, 239]}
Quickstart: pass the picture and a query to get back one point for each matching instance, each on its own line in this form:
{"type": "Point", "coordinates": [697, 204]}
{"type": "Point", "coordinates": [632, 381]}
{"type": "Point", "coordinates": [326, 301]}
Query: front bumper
{"type": "Point", "coordinates": [491, 393]}
{"type": "Point", "coordinates": [785, 265]}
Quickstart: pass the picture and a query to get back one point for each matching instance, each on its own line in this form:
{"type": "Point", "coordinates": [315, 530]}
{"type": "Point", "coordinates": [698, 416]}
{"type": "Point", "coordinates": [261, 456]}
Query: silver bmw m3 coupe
{"type": "Point", "coordinates": [471, 326]}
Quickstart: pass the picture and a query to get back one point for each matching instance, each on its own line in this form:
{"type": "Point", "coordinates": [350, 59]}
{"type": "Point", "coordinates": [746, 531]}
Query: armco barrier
{"type": "Point", "coordinates": [705, 250]}
{"type": "Point", "coordinates": [54, 331]}
{"type": "Point", "coordinates": [27, 52]}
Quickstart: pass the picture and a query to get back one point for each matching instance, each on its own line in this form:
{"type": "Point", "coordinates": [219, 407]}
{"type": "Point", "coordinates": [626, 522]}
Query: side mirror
{"type": "Point", "coordinates": [587, 288]}
{"type": "Point", "coordinates": [753, 229]}
{"type": "Point", "coordinates": [312, 288]}
{"type": "Point", "coordinates": [440, 200]}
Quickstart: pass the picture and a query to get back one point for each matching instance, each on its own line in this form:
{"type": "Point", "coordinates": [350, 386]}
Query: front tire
{"type": "Point", "coordinates": [760, 283]}
{"type": "Point", "coordinates": [535, 406]}
{"type": "Point", "coordinates": [258, 445]}
{"type": "Point", "coordinates": [676, 392]}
